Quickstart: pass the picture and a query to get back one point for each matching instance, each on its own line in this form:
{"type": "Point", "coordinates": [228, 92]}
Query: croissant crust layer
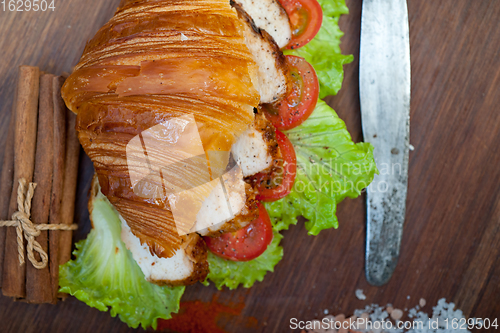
{"type": "Point", "coordinates": [152, 62]}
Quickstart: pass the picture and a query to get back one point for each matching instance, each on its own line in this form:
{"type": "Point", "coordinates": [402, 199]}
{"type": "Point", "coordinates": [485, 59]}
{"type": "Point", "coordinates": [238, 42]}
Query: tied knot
{"type": "Point", "coordinates": [24, 226]}
{"type": "Point", "coordinates": [27, 226]}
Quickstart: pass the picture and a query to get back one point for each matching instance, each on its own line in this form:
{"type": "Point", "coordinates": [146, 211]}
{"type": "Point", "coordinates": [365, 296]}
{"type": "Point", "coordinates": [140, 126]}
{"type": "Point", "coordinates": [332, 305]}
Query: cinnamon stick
{"type": "Point", "coordinates": [38, 287]}
{"type": "Point", "coordinates": [57, 183]}
{"type": "Point", "coordinates": [6, 182]}
{"type": "Point", "coordinates": [26, 111]}
{"type": "Point", "coordinates": [70, 182]}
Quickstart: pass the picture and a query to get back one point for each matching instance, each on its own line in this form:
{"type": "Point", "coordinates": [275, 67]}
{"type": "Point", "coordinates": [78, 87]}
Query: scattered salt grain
{"type": "Point", "coordinates": [422, 302]}
{"type": "Point", "coordinates": [413, 312]}
{"type": "Point", "coordinates": [397, 314]}
{"type": "Point", "coordinates": [411, 147]}
{"type": "Point", "coordinates": [326, 311]}
{"type": "Point", "coordinates": [360, 295]}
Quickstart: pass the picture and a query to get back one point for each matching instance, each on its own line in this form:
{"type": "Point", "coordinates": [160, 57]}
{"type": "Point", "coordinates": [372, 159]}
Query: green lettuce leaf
{"type": "Point", "coordinates": [323, 51]}
{"type": "Point", "coordinates": [104, 274]}
{"type": "Point", "coordinates": [232, 273]}
{"type": "Point", "coordinates": [330, 167]}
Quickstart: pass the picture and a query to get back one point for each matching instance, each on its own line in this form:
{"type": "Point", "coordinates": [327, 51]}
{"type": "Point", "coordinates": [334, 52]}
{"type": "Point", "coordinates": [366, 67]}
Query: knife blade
{"type": "Point", "coordinates": [384, 89]}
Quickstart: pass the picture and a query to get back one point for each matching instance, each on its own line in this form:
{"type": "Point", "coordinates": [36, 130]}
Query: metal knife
{"type": "Point", "coordinates": [384, 90]}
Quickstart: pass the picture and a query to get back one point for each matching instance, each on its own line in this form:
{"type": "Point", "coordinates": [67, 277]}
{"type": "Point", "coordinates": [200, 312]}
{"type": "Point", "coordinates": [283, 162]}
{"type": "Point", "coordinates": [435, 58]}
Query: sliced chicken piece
{"type": "Point", "coordinates": [272, 77]}
{"type": "Point", "coordinates": [247, 213]}
{"type": "Point", "coordinates": [270, 16]}
{"type": "Point", "coordinates": [180, 269]}
{"type": "Point", "coordinates": [175, 268]}
{"type": "Point", "coordinates": [256, 148]}
{"type": "Point", "coordinates": [251, 152]}
{"type": "Point", "coordinates": [255, 151]}
{"type": "Point", "coordinates": [188, 264]}
{"type": "Point", "coordinates": [225, 201]}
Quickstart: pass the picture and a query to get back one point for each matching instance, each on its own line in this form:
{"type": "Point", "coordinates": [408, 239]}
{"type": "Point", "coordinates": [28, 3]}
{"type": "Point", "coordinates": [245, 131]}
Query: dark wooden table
{"type": "Point", "coordinates": [451, 239]}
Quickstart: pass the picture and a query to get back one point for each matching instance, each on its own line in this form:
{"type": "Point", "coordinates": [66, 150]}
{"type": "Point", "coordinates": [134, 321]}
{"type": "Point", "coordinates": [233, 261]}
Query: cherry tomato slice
{"type": "Point", "coordinates": [305, 17]}
{"type": "Point", "coordinates": [271, 192]}
{"type": "Point", "coordinates": [300, 103]}
{"type": "Point", "coordinates": [245, 244]}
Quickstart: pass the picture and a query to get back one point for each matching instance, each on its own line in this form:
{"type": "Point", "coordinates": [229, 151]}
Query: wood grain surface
{"type": "Point", "coordinates": [451, 240]}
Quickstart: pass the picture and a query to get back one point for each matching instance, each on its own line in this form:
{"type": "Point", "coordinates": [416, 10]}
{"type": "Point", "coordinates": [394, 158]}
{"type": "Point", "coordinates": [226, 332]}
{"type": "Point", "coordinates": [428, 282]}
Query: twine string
{"type": "Point", "coordinates": [24, 226]}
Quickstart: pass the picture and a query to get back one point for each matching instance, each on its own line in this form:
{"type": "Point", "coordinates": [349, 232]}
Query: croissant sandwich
{"type": "Point", "coordinates": [192, 115]}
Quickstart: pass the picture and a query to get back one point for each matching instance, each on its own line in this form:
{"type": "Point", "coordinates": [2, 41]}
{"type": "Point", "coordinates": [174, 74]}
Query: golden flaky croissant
{"type": "Point", "coordinates": [204, 62]}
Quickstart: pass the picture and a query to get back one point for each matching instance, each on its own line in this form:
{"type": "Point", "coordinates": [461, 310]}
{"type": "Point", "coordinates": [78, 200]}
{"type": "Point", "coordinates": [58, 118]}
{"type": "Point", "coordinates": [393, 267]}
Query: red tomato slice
{"type": "Point", "coordinates": [305, 17]}
{"type": "Point", "coordinates": [267, 190]}
{"type": "Point", "coordinates": [300, 103]}
{"type": "Point", "coordinates": [245, 244]}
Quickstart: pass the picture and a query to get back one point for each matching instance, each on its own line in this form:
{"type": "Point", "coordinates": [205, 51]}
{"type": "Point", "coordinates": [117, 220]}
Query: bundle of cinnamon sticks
{"type": "Point", "coordinates": [42, 147]}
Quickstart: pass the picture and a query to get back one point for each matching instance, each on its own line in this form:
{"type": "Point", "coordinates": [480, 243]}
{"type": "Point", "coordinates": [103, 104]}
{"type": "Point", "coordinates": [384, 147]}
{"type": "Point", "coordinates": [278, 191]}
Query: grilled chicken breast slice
{"type": "Point", "coordinates": [255, 151]}
{"type": "Point", "coordinates": [273, 81]}
{"type": "Point", "coordinates": [256, 148]}
{"type": "Point", "coordinates": [185, 267]}
{"type": "Point", "coordinates": [270, 16]}
{"type": "Point", "coordinates": [247, 213]}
